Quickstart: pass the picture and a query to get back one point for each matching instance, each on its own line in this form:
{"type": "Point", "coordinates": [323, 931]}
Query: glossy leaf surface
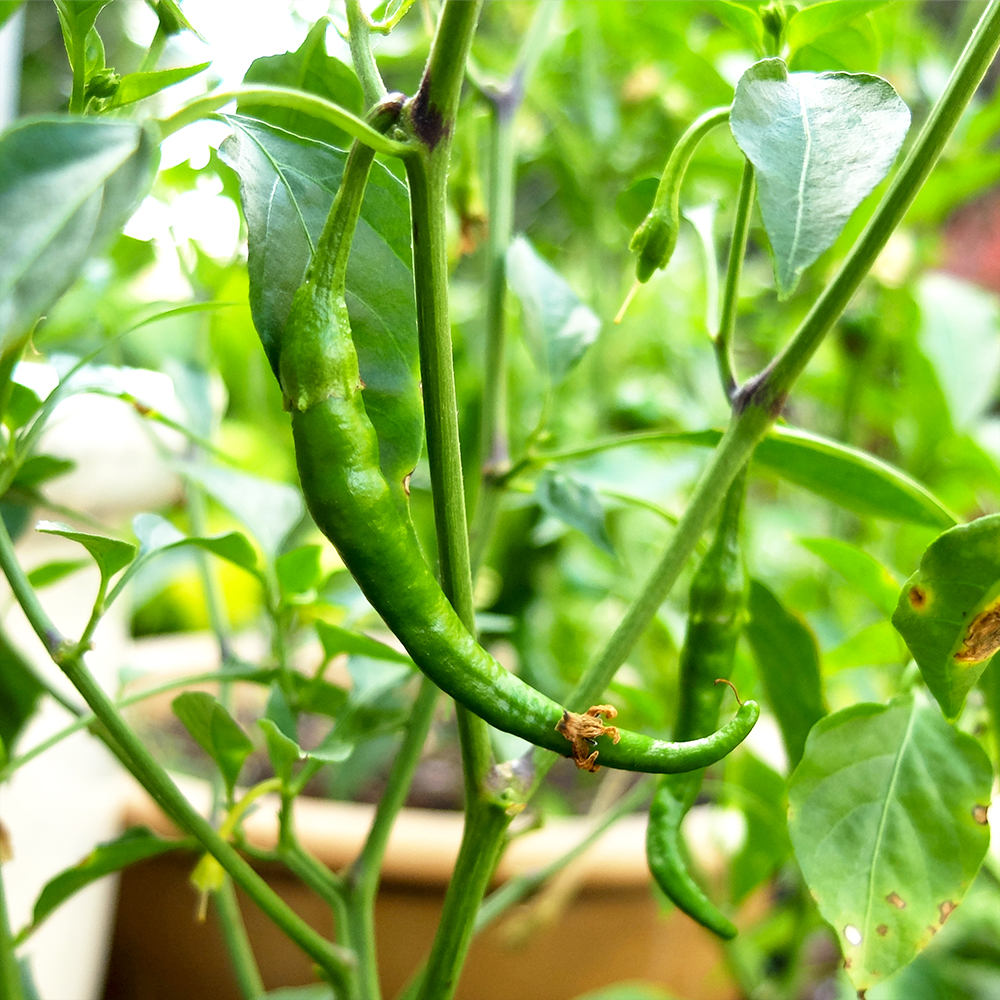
{"type": "Point", "coordinates": [576, 505]}
{"type": "Point", "coordinates": [110, 554]}
{"type": "Point", "coordinates": [287, 186]}
{"type": "Point", "coordinates": [215, 731]}
{"type": "Point", "coordinates": [337, 640]}
{"type": "Point", "coordinates": [558, 326]}
{"type": "Point", "coordinates": [66, 186]}
{"type": "Point", "coordinates": [788, 661]}
{"type": "Point", "coordinates": [860, 569]}
{"type": "Point", "coordinates": [949, 610]}
{"type": "Point", "coordinates": [819, 144]}
{"type": "Point", "coordinates": [887, 814]}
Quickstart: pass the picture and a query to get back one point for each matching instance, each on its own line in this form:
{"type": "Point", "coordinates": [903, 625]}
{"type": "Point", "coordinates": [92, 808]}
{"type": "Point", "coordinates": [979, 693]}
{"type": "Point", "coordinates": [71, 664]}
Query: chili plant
{"type": "Point", "coordinates": [350, 193]}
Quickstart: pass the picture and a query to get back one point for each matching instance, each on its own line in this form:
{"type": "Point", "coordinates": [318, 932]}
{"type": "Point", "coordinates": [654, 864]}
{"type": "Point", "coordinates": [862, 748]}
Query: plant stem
{"type": "Point", "coordinates": [504, 103]}
{"type": "Point", "coordinates": [362, 878]}
{"type": "Point", "coordinates": [723, 341]}
{"type": "Point", "coordinates": [283, 97]}
{"type": "Point", "coordinates": [359, 38]}
{"type": "Point", "coordinates": [234, 933]}
{"type": "Point", "coordinates": [482, 843]}
{"type": "Point", "coordinates": [335, 961]}
{"type": "Point", "coordinates": [759, 401]}
{"type": "Point", "coordinates": [517, 888]}
{"type": "Point", "coordinates": [10, 973]}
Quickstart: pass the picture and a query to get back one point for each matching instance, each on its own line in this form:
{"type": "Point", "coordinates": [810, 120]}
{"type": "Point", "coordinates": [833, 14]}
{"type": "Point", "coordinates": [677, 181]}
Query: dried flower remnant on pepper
{"type": "Point", "coordinates": [582, 730]}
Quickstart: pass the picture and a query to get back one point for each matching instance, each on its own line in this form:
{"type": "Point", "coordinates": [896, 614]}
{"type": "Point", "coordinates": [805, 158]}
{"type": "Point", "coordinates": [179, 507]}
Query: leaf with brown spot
{"type": "Point", "coordinates": [883, 827]}
{"type": "Point", "coordinates": [946, 909]}
{"type": "Point", "coordinates": [949, 610]}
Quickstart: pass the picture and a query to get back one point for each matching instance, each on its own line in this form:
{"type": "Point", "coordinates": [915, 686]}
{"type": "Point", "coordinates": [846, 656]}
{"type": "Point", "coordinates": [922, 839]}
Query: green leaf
{"type": "Point", "coordinates": [299, 571]}
{"type": "Point", "coordinates": [874, 645]}
{"type": "Point", "coordinates": [134, 845]}
{"type": "Point", "coordinates": [66, 186]}
{"type": "Point", "coordinates": [788, 660]}
{"type": "Point", "coordinates": [269, 509]}
{"type": "Point", "coordinates": [281, 749]}
{"type": "Point", "coordinates": [808, 24]}
{"type": "Point", "coordinates": [52, 572]}
{"type": "Point", "coordinates": [628, 991]}
{"type": "Point", "coordinates": [759, 791]}
{"type": "Point", "coordinates": [156, 534]}
{"type": "Point", "coordinates": [308, 68]}
{"type": "Point", "coordinates": [19, 692]}
{"type": "Point", "coordinates": [852, 48]}
{"type": "Point", "coordinates": [863, 571]}
{"type": "Point", "coordinates": [887, 814]}
{"type": "Point", "coordinates": [138, 86]}
{"type": "Point", "coordinates": [819, 144]}
{"type": "Point", "coordinates": [337, 640]}
{"type": "Point", "coordinates": [38, 469]}
{"type": "Point", "coordinates": [279, 712]}
{"type": "Point", "coordinates": [215, 731]}
{"type": "Point", "coordinates": [287, 186]}
{"type": "Point", "coordinates": [22, 405]}
{"type": "Point", "coordinates": [949, 610]}
{"type": "Point", "coordinates": [849, 477]}
{"type": "Point", "coordinates": [110, 554]}
{"type": "Point", "coordinates": [316, 992]}
{"type": "Point", "coordinates": [959, 329]}
{"type": "Point", "coordinates": [742, 19]}
{"type": "Point", "coordinates": [558, 327]}
{"type": "Point", "coordinates": [575, 504]}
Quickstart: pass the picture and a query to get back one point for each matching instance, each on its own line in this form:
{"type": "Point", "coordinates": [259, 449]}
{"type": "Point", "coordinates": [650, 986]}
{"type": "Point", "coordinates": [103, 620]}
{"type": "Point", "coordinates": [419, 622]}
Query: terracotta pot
{"type": "Point", "coordinates": [611, 929]}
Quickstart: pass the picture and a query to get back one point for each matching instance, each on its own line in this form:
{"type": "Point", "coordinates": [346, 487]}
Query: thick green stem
{"type": "Point", "coordinates": [482, 842]}
{"type": "Point", "coordinates": [731, 292]}
{"type": "Point", "coordinates": [10, 974]}
{"type": "Point", "coordinates": [362, 879]}
{"type": "Point", "coordinates": [234, 933]}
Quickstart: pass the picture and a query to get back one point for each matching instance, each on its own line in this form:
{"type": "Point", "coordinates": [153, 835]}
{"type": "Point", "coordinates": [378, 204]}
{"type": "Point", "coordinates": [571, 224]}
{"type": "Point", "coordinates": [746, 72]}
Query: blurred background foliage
{"type": "Point", "coordinates": [910, 374]}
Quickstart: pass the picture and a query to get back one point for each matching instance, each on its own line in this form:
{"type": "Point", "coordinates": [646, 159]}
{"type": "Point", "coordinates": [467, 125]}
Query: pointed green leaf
{"type": "Point", "coordinates": [887, 814]}
{"type": "Point", "coordinates": [66, 186]}
{"type": "Point", "coordinates": [138, 86]}
{"type": "Point", "coordinates": [860, 569]}
{"type": "Point", "coordinates": [337, 640]}
{"type": "Point", "coordinates": [788, 660]}
{"type": "Point", "coordinates": [849, 477]}
{"type": "Point", "coordinates": [949, 610]}
{"type": "Point", "coordinates": [20, 691]}
{"type": "Point", "coordinates": [110, 554]}
{"type": "Point", "coordinates": [215, 731]}
{"type": "Point", "coordinates": [287, 186]}
{"type": "Point", "coordinates": [279, 712]}
{"type": "Point", "coordinates": [281, 749]}
{"type": "Point", "coordinates": [576, 505]}
{"type": "Point", "coordinates": [819, 144]}
{"type": "Point", "coordinates": [38, 469]}
{"type": "Point", "coordinates": [741, 18]}
{"type": "Point", "coordinates": [134, 845]}
{"type": "Point", "coordinates": [959, 334]}
{"type": "Point", "coordinates": [558, 327]}
{"type": "Point", "coordinates": [22, 405]}
{"type": "Point", "coordinates": [52, 572]}
{"type": "Point", "coordinates": [156, 534]}
{"type": "Point", "coordinates": [308, 68]}
{"type": "Point", "coordinates": [269, 509]}
{"type": "Point", "coordinates": [818, 19]}
{"type": "Point", "coordinates": [299, 571]}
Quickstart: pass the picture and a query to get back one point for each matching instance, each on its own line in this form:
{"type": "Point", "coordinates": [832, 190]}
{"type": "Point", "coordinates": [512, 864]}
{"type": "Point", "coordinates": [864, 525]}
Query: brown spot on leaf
{"type": "Point", "coordinates": [946, 909]}
{"type": "Point", "coordinates": [982, 638]}
{"type": "Point", "coordinates": [918, 598]}
{"type": "Point", "coordinates": [582, 730]}
{"type": "Point", "coordinates": [882, 930]}
{"type": "Point", "coordinates": [980, 814]}
{"type": "Point", "coordinates": [932, 929]}
{"type": "Point", "coordinates": [894, 899]}
{"type": "Point", "coordinates": [847, 963]}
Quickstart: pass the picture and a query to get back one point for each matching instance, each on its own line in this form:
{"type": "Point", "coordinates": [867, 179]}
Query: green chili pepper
{"type": "Point", "coordinates": [655, 239]}
{"type": "Point", "coordinates": [717, 611]}
{"type": "Point", "coordinates": [337, 453]}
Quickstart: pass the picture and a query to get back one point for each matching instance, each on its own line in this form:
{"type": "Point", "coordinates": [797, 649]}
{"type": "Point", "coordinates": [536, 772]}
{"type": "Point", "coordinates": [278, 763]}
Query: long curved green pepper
{"type": "Point", "coordinates": [716, 616]}
{"type": "Point", "coordinates": [655, 239]}
{"type": "Point", "coordinates": [337, 453]}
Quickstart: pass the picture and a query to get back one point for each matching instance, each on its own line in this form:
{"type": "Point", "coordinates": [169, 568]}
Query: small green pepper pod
{"type": "Point", "coordinates": [716, 615]}
{"type": "Point", "coordinates": [656, 238]}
